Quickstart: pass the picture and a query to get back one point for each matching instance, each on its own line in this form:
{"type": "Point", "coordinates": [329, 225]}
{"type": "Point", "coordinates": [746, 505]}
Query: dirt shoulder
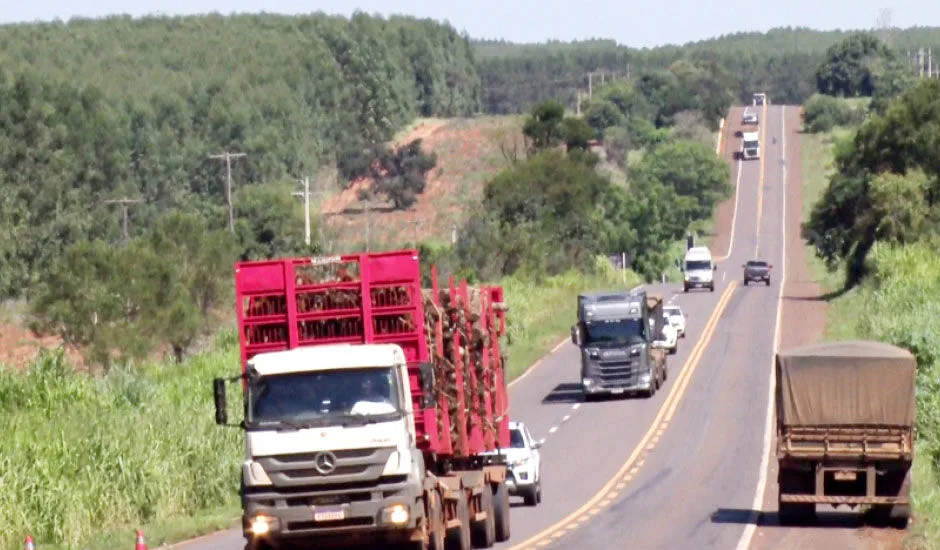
{"type": "Point", "coordinates": [803, 321]}
{"type": "Point", "coordinates": [724, 214]}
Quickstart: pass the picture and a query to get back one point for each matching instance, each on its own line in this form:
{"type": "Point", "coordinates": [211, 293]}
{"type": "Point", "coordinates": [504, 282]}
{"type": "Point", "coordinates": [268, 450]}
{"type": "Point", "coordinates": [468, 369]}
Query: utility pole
{"type": "Point", "coordinates": [590, 84]}
{"type": "Point", "coordinates": [306, 195]}
{"type": "Point", "coordinates": [124, 202]}
{"type": "Point", "coordinates": [368, 207]}
{"type": "Point", "coordinates": [228, 183]}
{"type": "Point", "coordinates": [579, 102]}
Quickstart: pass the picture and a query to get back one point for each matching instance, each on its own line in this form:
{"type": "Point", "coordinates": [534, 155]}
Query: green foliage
{"type": "Point", "coordinates": [822, 113]}
{"type": "Point", "coordinates": [96, 110]}
{"type": "Point", "coordinates": [858, 66]}
{"type": "Point", "coordinates": [902, 141]}
{"type": "Point", "coordinates": [122, 303]}
{"type": "Point", "coordinates": [400, 175]}
{"type": "Point", "coordinates": [692, 170]}
{"type": "Point", "coordinates": [85, 455]}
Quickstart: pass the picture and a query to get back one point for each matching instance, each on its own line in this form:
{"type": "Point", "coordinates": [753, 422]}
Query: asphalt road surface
{"type": "Point", "coordinates": [681, 469]}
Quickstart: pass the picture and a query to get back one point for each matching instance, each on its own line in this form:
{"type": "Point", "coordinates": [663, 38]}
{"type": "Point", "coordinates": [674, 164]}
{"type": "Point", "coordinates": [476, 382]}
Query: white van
{"type": "Point", "coordinates": [699, 269]}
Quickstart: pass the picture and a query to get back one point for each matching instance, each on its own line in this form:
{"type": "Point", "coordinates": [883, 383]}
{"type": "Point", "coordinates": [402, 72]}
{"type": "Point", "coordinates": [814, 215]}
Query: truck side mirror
{"type": "Point", "coordinates": [575, 335]}
{"type": "Point", "coordinates": [221, 409]}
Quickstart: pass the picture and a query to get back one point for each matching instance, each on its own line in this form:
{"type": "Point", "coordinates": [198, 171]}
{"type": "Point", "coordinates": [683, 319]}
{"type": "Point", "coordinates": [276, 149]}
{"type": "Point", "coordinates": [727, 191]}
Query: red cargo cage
{"type": "Point", "coordinates": [451, 338]}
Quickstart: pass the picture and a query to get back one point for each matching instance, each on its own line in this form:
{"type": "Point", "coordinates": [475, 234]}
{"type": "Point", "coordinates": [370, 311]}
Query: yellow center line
{"type": "Point", "coordinates": [760, 178]}
{"type": "Point", "coordinates": [675, 395]}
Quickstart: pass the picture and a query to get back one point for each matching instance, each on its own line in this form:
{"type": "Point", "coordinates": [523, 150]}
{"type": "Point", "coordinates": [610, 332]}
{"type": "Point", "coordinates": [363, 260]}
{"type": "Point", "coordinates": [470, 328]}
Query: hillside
{"type": "Point", "coordinates": [469, 151]}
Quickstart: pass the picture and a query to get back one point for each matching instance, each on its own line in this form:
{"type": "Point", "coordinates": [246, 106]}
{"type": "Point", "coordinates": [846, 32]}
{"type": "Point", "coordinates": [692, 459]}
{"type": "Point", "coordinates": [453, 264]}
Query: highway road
{"type": "Point", "coordinates": [686, 468]}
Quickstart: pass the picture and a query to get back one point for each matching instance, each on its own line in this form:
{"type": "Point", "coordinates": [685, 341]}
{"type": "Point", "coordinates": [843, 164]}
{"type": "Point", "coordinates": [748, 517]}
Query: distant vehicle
{"type": "Point", "coordinates": [759, 99]}
{"type": "Point", "coordinates": [750, 118]}
{"type": "Point", "coordinates": [845, 429]}
{"type": "Point", "coordinates": [676, 318]}
{"type": "Point", "coordinates": [698, 269]}
{"type": "Point", "coordinates": [757, 270]}
{"type": "Point", "coordinates": [669, 339]}
{"type": "Point", "coordinates": [525, 464]}
{"type": "Point", "coordinates": [621, 350]}
{"type": "Point", "coordinates": [750, 145]}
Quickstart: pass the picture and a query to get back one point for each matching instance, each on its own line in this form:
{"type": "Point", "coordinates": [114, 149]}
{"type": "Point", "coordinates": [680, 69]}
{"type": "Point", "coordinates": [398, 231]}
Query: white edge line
{"type": "Point", "coordinates": [737, 200]}
{"type": "Point", "coordinates": [557, 347]}
{"type": "Point", "coordinates": [751, 527]}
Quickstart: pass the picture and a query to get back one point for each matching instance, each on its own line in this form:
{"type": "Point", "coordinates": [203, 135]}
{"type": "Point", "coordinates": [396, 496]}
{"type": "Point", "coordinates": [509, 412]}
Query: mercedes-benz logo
{"type": "Point", "coordinates": [324, 462]}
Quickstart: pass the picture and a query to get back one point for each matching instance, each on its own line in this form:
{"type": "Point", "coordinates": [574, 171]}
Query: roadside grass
{"type": "Point", "coordinates": [86, 460]}
{"type": "Point", "coordinates": [898, 303]}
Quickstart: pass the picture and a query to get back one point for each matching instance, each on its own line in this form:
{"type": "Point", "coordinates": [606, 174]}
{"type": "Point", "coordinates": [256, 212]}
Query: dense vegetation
{"type": "Point", "coordinates": [784, 62]}
{"type": "Point", "coordinates": [877, 222]}
{"type": "Point", "coordinates": [97, 110]}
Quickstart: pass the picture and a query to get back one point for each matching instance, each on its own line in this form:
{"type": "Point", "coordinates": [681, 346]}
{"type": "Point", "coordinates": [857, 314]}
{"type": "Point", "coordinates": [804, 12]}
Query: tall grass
{"type": "Point", "coordinates": [86, 460]}
{"type": "Point", "coordinates": [541, 315]}
{"type": "Point", "coordinates": [899, 303]}
{"type": "Point", "coordinates": [82, 456]}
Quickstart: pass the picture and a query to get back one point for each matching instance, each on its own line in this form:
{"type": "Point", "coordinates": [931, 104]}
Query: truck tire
{"type": "Point", "coordinates": [768, 282]}
{"type": "Point", "coordinates": [685, 288]}
{"type": "Point", "coordinates": [257, 544]}
{"type": "Point", "coordinates": [711, 287]}
{"type": "Point", "coordinates": [458, 538]}
{"type": "Point", "coordinates": [794, 483]}
{"type": "Point", "coordinates": [483, 533]}
{"type": "Point", "coordinates": [531, 497]}
{"type": "Point", "coordinates": [746, 281]}
{"type": "Point", "coordinates": [501, 511]}
{"type": "Point", "coordinates": [895, 515]}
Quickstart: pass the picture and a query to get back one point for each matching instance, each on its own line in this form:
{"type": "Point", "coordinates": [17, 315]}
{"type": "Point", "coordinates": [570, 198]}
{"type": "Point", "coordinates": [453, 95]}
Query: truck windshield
{"type": "Point", "coordinates": [698, 265]}
{"type": "Point", "coordinates": [751, 144]}
{"type": "Point", "coordinates": [307, 399]}
{"type": "Point", "coordinates": [619, 332]}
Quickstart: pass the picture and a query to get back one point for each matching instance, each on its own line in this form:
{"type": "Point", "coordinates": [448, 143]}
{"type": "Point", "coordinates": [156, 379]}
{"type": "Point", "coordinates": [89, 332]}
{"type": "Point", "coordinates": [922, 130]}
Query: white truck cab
{"type": "Point", "coordinates": [750, 145]}
{"type": "Point", "coordinates": [322, 416]}
{"type": "Point", "coordinates": [759, 98]}
{"type": "Point", "coordinates": [698, 269]}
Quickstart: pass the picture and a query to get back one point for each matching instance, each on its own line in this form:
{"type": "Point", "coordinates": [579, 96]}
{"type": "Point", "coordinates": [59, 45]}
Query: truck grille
{"type": "Point", "coordinates": [355, 465]}
{"type": "Point", "coordinates": [616, 372]}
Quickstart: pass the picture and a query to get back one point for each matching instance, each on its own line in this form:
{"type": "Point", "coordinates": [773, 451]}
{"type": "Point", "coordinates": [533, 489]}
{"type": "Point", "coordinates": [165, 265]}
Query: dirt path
{"type": "Point", "coordinates": [803, 321]}
{"type": "Point", "coordinates": [724, 214]}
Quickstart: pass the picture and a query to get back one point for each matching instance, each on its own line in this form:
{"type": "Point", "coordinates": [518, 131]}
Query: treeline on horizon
{"type": "Point", "coordinates": [97, 110]}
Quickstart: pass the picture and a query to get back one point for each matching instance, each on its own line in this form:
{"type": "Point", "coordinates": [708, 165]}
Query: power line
{"type": "Point", "coordinates": [228, 183]}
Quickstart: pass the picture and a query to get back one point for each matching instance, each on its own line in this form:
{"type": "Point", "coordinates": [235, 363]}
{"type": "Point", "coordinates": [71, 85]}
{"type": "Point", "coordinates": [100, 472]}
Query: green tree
{"type": "Point", "coordinates": [543, 128]}
{"type": "Point", "coordinates": [854, 66]}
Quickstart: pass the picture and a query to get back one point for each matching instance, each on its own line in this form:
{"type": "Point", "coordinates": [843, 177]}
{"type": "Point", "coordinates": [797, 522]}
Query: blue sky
{"type": "Point", "coordinates": [634, 23]}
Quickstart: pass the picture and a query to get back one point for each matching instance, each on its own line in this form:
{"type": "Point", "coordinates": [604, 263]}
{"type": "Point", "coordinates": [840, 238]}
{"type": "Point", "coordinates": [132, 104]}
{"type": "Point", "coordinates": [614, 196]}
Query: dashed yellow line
{"type": "Point", "coordinates": [638, 457]}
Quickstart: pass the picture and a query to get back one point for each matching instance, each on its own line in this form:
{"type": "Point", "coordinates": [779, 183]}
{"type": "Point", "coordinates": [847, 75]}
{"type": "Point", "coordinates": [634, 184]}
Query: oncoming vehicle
{"type": "Point", "coordinates": [669, 338]}
{"type": "Point", "coordinates": [750, 146]}
{"type": "Point", "coordinates": [675, 317]}
{"type": "Point", "coordinates": [698, 269]}
{"type": "Point", "coordinates": [759, 98]}
{"type": "Point", "coordinates": [525, 464]}
{"type": "Point", "coordinates": [750, 118]}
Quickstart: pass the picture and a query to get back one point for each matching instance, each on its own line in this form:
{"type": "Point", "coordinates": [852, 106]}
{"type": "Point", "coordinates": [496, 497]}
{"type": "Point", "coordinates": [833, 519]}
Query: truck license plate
{"type": "Point", "coordinates": [329, 513]}
{"type": "Point", "coordinates": [845, 476]}
{"type": "Point", "coordinates": [616, 391]}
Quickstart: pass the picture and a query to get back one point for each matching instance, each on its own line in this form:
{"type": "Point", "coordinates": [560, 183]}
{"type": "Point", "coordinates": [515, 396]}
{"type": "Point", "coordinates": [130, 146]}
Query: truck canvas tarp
{"type": "Point", "coordinates": [846, 384]}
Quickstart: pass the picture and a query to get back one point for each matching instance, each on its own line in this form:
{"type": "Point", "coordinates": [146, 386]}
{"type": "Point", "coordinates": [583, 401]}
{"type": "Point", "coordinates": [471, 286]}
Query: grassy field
{"type": "Point", "coordinates": [86, 461]}
{"type": "Point", "coordinates": [900, 304]}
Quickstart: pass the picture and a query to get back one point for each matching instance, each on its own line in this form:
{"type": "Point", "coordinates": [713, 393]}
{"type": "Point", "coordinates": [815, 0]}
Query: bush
{"type": "Point", "coordinates": [822, 113]}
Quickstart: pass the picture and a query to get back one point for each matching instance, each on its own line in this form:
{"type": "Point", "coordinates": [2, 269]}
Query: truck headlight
{"type": "Point", "coordinates": [396, 514]}
{"type": "Point", "coordinates": [398, 463]}
{"type": "Point", "coordinates": [587, 382]}
{"type": "Point", "coordinates": [645, 377]}
{"type": "Point", "coordinates": [262, 525]}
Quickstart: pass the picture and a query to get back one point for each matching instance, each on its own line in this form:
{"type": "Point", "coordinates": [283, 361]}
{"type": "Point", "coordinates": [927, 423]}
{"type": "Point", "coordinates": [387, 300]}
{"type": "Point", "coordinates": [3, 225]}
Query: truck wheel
{"type": "Point", "coordinates": [711, 287]}
{"type": "Point", "coordinates": [685, 288]}
{"type": "Point", "coordinates": [436, 532]}
{"type": "Point", "coordinates": [794, 483]}
{"type": "Point", "coordinates": [746, 281]}
{"type": "Point", "coordinates": [458, 538]}
{"type": "Point", "coordinates": [768, 282]}
{"type": "Point", "coordinates": [483, 533]}
{"type": "Point", "coordinates": [538, 491]}
{"type": "Point", "coordinates": [501, 511]}
{"type": "Point", "coordinates": [531, 495]}
{"type": "Point", "coordinates": [258, 544]}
